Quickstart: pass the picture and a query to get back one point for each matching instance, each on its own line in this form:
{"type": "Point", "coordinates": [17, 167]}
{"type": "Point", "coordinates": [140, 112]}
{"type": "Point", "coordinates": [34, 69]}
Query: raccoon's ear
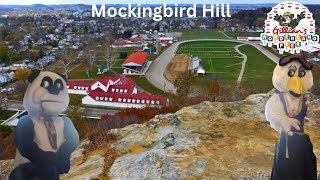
{"type": "Point", "coordinates": [33, 75]}
{"type": "Point", "coordinates": [63, 76]}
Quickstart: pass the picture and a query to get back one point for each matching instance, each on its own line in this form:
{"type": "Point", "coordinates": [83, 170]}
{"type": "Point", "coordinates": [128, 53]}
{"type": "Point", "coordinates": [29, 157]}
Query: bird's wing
{"type": "Point", "coordinates": [275, 112]}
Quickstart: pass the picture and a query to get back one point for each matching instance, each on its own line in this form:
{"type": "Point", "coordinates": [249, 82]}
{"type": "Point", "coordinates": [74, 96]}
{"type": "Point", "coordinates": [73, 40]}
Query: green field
{"type": "Point", "coordinates": [236, 34]}
{"type": "Point", "coordinates": [201, 34]}
{"type": "Point", "coordinates": [5, 114]}
{"type": "Point", "coordinates": [218, 57]}
{"type": "Point", "coordinates": [80, 72]}
{"type": "Point", "coordinates": [221, 58]}
{"type": "Point", "coordinates": [259, 69]}
{"type": "Point", "coordinates": [147, 86]}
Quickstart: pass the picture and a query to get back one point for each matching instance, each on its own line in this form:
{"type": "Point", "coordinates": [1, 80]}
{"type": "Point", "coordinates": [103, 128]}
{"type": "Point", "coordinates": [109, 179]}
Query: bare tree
{"type": "Point", "coordinates": [90, 56]}
{"type": "Point", "coordinates": [67, 57]}
{"type": "Point", "coordinates": [109, 57]}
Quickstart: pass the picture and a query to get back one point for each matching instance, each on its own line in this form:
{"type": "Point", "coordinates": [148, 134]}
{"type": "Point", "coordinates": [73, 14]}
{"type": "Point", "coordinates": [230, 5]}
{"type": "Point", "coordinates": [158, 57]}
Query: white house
{"type": "Point", "coordinates": [113, 91]}
{"type": "Point", "coordinates": [4, 78]}
{"type": "Point", "coordinates": [195, 62]}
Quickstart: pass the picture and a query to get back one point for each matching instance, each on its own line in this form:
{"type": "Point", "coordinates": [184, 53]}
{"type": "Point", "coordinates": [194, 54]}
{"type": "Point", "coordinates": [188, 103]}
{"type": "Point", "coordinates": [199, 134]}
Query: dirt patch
{"type": "Point", "coordinates": [178, 64]}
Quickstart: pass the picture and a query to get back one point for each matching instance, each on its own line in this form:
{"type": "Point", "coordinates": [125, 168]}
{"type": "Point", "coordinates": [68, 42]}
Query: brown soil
{"type": "Point", "coordinates": [179, 64]}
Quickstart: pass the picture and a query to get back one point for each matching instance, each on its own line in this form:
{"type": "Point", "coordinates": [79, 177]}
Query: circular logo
{"type": "Point", "coordinates": [289, 26]}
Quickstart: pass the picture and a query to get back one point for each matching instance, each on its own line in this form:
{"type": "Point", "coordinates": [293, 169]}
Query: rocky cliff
{"type": "Point", "coordinates": [211, 140]}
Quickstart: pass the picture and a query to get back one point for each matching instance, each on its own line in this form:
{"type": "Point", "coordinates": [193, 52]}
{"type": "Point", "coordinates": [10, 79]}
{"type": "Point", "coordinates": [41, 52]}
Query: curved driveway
{"type": "Point", "coordinates": [155, 73]}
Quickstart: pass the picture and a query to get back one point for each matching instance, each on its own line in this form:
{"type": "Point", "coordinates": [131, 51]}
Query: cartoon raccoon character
{"type": "Point", "coordinates": [287, 19]}
{"type": "Point", "coordinates": [44, 140]}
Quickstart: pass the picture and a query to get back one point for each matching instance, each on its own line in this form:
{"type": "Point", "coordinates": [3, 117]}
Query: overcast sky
{"type": "Point", "coordinates": [28, 2]}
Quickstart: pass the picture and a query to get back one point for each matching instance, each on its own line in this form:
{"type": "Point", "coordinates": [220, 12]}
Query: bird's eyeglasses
{"type": "Point", "coordinates": [292, 70]}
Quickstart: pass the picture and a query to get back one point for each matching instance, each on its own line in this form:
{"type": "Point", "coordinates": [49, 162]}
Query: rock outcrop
{"type": "Point", "coordinates": [211, 140]}
{"type": "Point", "coordinates": [82, 167]}
{"type": "Point", "coordinates": [6, 166]}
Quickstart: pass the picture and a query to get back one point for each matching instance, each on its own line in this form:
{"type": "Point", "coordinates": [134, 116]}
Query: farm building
{"type": "Point", "coordinates": [313, 50]}
{"type": "Point", "coordinates": [121, 43]}
{"type": "Point", "coordinates": [246, 38]}
{"type": "Point", "coordinates": [135, 64]}
{"type": "Point", "coordinates": [195, 62]}
{"type": "Point", "coordinates": [165, 41]}
{"type": "Point", "coordinates": [150, 50]}
{"type": "Point", "coordinates": [201, 71]}
{"type": "Point", "coordinates": [113, 91]}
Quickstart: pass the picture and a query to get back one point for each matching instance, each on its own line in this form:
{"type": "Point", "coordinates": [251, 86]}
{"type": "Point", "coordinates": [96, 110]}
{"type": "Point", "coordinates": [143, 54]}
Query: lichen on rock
{"type": "Point", "coordinates": [211, 140]}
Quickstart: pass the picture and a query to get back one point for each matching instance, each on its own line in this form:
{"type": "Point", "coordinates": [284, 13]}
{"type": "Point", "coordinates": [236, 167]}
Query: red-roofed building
{"type": "Point", "coordinates": [135, 64]}
{"type": "Point", "coordinates": [122, 43]}
{"type": "Point", "coordinates": [113, 92]}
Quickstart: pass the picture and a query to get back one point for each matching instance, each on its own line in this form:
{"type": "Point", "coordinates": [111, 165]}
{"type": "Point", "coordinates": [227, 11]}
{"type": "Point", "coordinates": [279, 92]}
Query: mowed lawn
{"type": "Point", "coordinates": [259, 69]}
{"type": "Point", "coordinates": [236, 34]}
{"type": "Point", "coordinates": [81, 73]}
{"type": "Point", "coordinates": [218, 57]}
{"type": "Point", "coordinates": [201, 34]}
{"type": "Point", "coordinates": [221, 59]}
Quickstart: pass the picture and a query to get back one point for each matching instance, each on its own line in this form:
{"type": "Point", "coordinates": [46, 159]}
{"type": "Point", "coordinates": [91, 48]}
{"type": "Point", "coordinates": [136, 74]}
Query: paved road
{"type": "Point", "coordinates": [155, 73]}
{"type": "Point", "coordinates": [90, 111]}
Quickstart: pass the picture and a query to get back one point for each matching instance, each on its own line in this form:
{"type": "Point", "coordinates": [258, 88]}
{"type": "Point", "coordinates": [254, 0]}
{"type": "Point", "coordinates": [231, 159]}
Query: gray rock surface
{"type": "Point", "coordinates": [211, 140]}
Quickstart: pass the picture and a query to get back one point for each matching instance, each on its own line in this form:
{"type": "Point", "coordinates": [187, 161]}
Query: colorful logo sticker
{"type": "Point", "coordinates": [289, 26]}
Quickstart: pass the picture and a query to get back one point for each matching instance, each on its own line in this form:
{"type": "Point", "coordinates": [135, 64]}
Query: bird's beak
{"type": "Point", "coordinates": [295, 85]}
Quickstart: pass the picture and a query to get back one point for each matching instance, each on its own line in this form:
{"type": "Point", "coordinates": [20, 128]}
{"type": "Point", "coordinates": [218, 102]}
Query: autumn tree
{"type": "Point", "coordinates": [213, 89]}
{"type": "Point", "coordinates": [183, 83]}
{"type": "Point", "coordinates": [3, 33]}
{"type": "Point", "coordinates": [22, 74]}
{"type": "Point", "coordinates": [6, 54]}
{"type": "Point", "coordinates": [260, 22]}
{"type": "Point", "coordinates": [3, 102]}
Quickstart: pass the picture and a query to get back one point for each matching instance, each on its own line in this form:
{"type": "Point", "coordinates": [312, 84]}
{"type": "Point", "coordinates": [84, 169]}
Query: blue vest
{"type": "Point", "coordinates": [300, 116]}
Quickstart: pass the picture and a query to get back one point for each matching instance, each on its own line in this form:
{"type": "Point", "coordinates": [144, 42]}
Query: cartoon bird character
{"type": "Point", "coordinates": [44, 140]}
{"type": "Point", "coordinates": [294, 158]}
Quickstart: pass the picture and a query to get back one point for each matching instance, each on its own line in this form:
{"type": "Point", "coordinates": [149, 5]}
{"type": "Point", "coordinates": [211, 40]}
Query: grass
{"type": "Point", "coordinates": [256, 34]}
{"type": "Point", "coordinates": [259, 69]}
{"type": "Point", "coordinates": [128, 50]}
{"type": "Point", "coordinates": [75, 99]}
{"type": "Point", "coordinates": [5, 114]}
{"type": "Point", "coordinates": [59, 70]}
{"type": "Point", "coordinates": [201, 34]}
{"type": "Point", "coordinates": [117, 67]}
{"type": "Point", "coordinates": [80, 73]}
{"type": "Point", "coordinates": [147, 86]}
{"type": "Point", "coordinates": [221, 59]}
{"type": "Point", "coordinates": [236, 34]}
{"type": "Point", "coordinates": [218, 57]}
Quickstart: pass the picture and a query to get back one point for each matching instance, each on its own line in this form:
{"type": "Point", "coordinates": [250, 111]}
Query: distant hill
{"type": "Point", "coordinates": [233, 6]}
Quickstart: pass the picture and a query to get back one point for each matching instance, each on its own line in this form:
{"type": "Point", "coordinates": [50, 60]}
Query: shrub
{"type": "Point", "coordinates": [5, 129]}
{"type": "Point", "coordinates": [123, 55]}
{"type": "Point", "coordinates": [8, 148]}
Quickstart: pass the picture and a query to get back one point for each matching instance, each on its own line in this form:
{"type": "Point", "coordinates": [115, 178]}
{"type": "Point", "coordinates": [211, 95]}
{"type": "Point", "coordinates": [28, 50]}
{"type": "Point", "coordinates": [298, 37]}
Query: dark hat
{"type": "Point", "coordinates": [288, 59]}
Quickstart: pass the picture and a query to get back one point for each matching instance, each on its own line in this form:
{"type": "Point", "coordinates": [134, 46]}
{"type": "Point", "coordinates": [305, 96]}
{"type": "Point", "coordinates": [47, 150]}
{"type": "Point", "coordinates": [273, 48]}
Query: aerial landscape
{"type": "Point", "coordinates": [177, 98]}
